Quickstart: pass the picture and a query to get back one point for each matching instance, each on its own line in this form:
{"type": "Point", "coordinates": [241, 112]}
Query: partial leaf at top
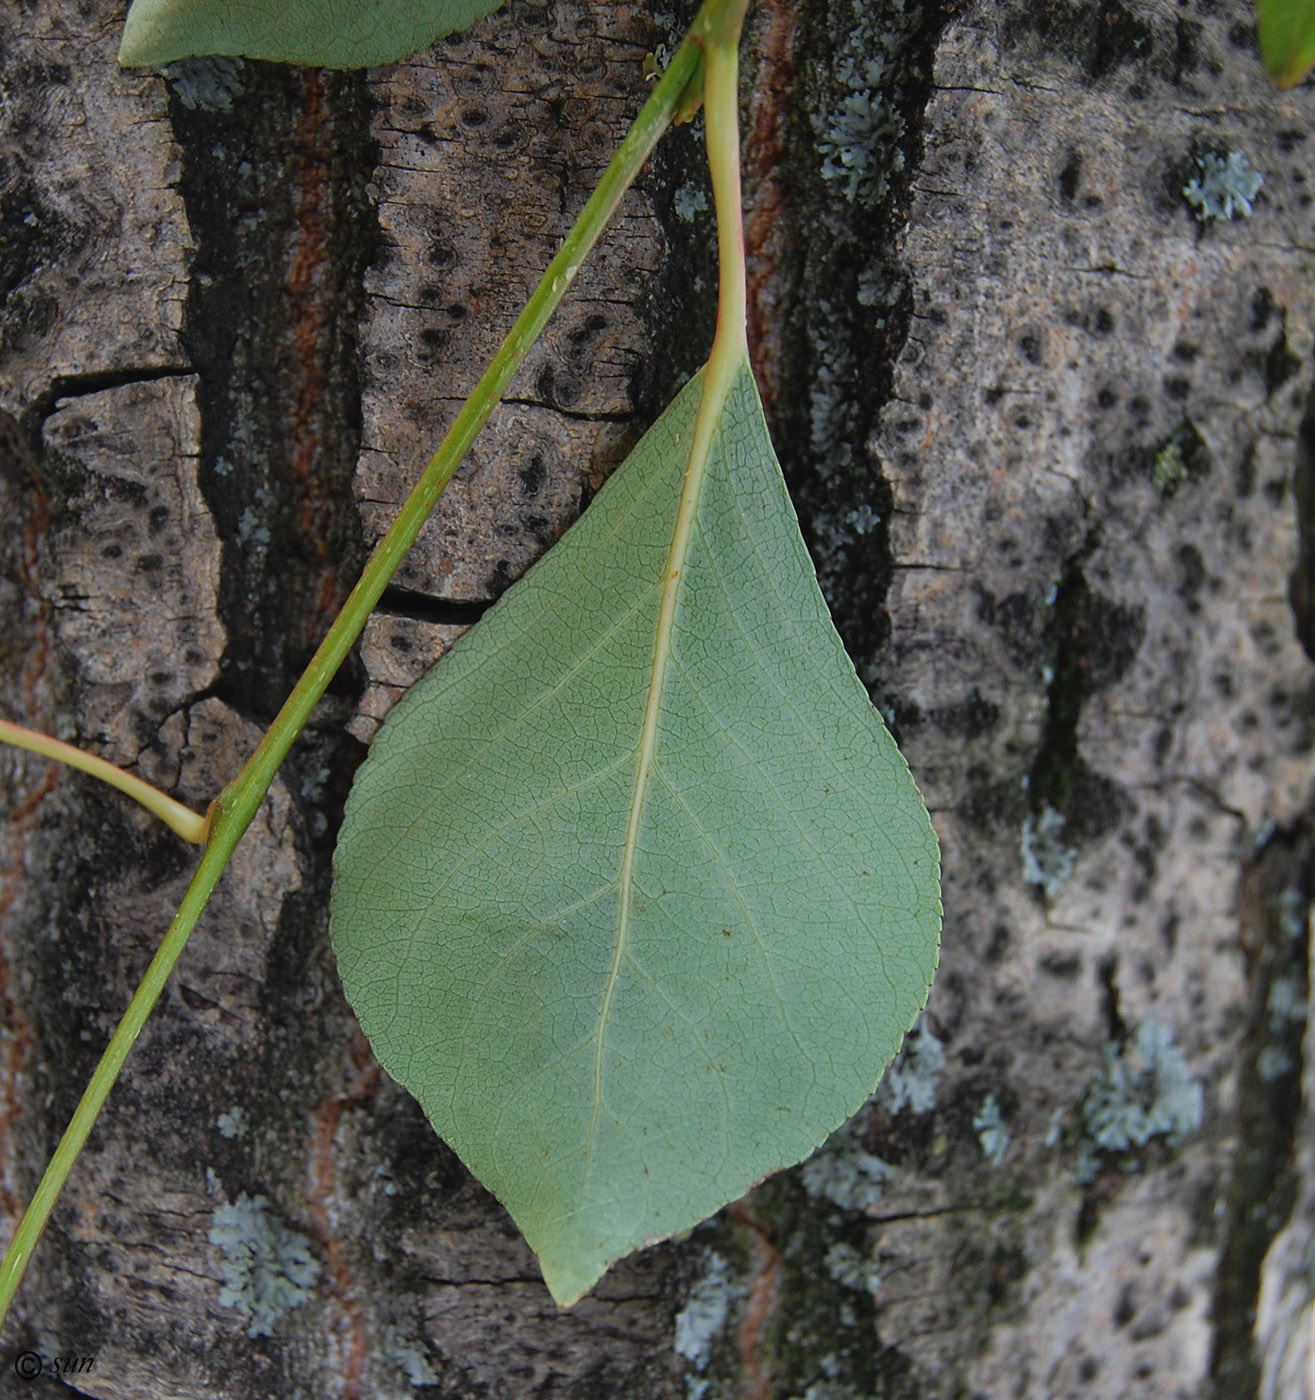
{"type": "Point", "coordinates": [317, 33]}
{"type": "Point", "coordinates": [626, 979]}
{"type": "Point", "coordinates": [1287, 38]}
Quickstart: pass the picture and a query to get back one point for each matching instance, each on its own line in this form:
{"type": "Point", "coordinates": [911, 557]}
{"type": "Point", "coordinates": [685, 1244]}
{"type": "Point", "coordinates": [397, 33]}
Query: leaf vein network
{"type": "Point", "coordinates": [733, 886]}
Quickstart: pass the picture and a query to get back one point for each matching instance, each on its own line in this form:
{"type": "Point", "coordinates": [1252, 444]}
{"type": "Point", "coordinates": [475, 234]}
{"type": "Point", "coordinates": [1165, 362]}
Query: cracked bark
{"type": "Point", "coordinates": [229, 339]}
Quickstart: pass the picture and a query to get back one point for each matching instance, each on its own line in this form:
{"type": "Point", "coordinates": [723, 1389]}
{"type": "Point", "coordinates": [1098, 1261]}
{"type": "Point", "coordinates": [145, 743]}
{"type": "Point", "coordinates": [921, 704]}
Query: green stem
{"type": "Point", "coordinates": [190, 825]}
{"type": "Point", "coordinates": [236, 806]}
{"type": "Point", "coordinates": [719, 33]}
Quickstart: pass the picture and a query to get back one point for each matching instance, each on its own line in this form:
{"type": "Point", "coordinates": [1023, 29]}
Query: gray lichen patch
{"type": "Point", "coordinates": [232, 1122]}
{"type": "Point", "coordinates": [1047, 860]}
{"type": "Point", "coordinates": [845, 1174]}
{"type": "Point", "coordinates": [212, 82]}
{"type": "Point", "coordinates": [992, 1135]}
{"type": "Point", "coordinates": [703, 1318]}
{"type": "Point", "coordinates": [268, 1268]}
{"type": "Point", "coordinates": [911, 1078]}
{"type": "Point", "coordinates": [854, 1270]}
{"type": "Point", "coordinates": [861, 133]}
{"type": "Point", "coordinates": [1144, 1091]}
{"type": "Point", "coordinates": [1223, 187]}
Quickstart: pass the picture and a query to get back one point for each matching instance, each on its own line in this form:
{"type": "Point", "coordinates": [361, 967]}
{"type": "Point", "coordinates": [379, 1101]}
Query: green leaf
{"type": "Point", "coordinates": [640, 912]}
{"type": "Point", "coordinates": [317, 33]}
{"type": "Point", "coordinates": [1287, 38]}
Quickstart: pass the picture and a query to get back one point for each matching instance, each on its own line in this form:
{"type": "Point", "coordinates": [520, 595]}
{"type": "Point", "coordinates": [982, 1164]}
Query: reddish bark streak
{"type": "Point", "coordinates": [757, 1361]}
{"type": "Point", "coordinates": [320, 1199]}
{"type": "Point", "coordinates": [310, 334]}
{"type": "Point", "coordinates": [764, 232]}
{"type": "Point", "coordinates": [18, 1033]}
{"type": "Point", "coordinates": [328, 599]}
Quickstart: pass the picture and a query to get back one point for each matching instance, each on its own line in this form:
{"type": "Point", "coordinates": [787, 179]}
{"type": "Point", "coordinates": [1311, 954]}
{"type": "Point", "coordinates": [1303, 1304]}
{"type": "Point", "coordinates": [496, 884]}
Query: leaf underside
{"type": "Point", "coordinates": [617, 1058]}
{"type": "Point", "coordinates": [1287, 38]}
{"type": "Point", "coordinates": [316, 33]}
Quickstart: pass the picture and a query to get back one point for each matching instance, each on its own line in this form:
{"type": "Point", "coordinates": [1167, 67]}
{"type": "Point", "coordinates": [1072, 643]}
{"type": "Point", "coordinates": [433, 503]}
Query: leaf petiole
{"type": "Point", "coordinates": [190, 825]}
{"type": "Point", "coordinates": [719, 36]}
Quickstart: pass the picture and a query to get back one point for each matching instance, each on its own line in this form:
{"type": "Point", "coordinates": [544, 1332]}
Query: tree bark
{"type": "Point", "coordinates": [1051, 435]}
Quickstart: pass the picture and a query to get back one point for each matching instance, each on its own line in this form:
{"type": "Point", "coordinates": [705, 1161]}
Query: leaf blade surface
{"type": "Point", "coordinates": [316, 33]}
{"type": "Point", "coordinates": [624, 987]}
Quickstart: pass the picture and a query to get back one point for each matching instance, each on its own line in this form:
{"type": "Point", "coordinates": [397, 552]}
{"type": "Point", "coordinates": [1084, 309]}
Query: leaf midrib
{"type": "Point", "coordinates": [718, 379]}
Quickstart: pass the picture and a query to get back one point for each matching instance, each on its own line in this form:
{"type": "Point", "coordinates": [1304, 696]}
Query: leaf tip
{"type": "Point", "coordinates": [1290, 75]}
{"type": "Point", "coordinates": [142, 46]}
{"type": "Point", "coordinates": [130, 55]}
{"type": "Point", "coordinates": [1286, 30]}
{"type": "Point", "coordinates": [568, 1283]}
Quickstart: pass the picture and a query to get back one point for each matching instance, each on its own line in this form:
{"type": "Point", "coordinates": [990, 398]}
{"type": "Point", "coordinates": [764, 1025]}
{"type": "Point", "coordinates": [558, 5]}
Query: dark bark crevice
{"type": "Point", "coordinates": [1301, 584]}
{"type": "Point", "coordinates": [862, 78]}
{"type": "Point", "coordinates": [420, 607]}
{"type": "Point", "coordinates": [274, 187]}
{"type": "Point", "coordinates": [1278, 885]}
{"type": "Point", "coordinates": [72, 386]}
